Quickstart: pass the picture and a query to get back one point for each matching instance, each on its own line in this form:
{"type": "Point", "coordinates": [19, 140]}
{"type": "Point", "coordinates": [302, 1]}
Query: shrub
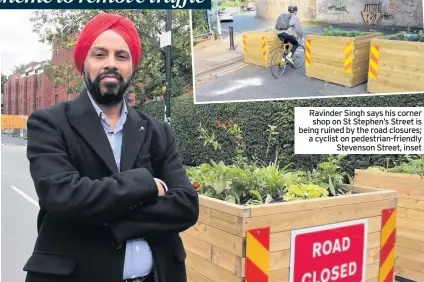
{"type": "Point", "coordinates": [254, 118]}
{"type": "Point", "coordinates": [331, 31]}
{"type": "Point", "coordinates": [413, 165]}
{"type": "Point", "coordinates": [404, 36]}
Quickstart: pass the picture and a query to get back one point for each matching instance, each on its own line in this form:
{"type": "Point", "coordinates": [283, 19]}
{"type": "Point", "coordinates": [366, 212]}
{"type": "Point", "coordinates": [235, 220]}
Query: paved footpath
{"type": "Point", "coordinates": [216, 54]}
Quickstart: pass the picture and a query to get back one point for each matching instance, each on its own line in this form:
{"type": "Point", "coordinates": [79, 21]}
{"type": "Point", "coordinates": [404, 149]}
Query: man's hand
{"type": "Point", "coordinates": [174, 212]}
{"type": "Point", "coordinates": [161, 189]}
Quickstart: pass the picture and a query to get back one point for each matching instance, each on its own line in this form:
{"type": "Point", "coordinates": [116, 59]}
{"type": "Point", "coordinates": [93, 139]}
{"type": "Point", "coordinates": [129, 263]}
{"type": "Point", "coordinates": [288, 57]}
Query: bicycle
{"type": "Point", "coordinates": [279, 59]}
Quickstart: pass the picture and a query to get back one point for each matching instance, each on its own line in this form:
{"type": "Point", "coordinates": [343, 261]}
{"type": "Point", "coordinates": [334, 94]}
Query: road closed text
{"type": "Point", "coordinates": [329, 255]}
{"type": "Point", "coordinates": [336, 272]}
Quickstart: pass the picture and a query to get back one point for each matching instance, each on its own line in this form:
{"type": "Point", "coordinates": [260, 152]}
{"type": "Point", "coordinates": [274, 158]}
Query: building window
{"type": "Point", "coordinates": [56, 99]}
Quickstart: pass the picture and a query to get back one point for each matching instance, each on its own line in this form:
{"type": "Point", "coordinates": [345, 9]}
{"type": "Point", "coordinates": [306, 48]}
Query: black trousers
{"type": "Point", "coordinates": [150, 278]}
{"type": "Point", "coordinates": [284, 37]}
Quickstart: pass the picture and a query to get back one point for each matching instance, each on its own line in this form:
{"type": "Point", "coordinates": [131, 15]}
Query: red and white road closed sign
{"type": "Point", "coordinates": [334, 252]}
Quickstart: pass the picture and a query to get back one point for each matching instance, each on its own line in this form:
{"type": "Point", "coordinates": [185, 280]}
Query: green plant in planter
{"type": "Point", "coordinates": [272, 133]}
{"type": "Point", "coordinates": [250, 183]}
{"type": "Point", "coordinates": [331, 31]}
{"type": "Point", "coordinates": [328, 175]}
{"type": "Point", "coordinates": [220, 181]}
{"type": "Point", "coordinates": [257, 198]}
{"type": "Point", "coordinates": [297, 192]}
{"type": "Point", "coordinates": [270, 179]}
{"type": "Point", "coordinates": [414, 165]}
{"type": "Point", "coordinates": [408, 36]}
{"type": "Point", "coordinates": [376, 168]}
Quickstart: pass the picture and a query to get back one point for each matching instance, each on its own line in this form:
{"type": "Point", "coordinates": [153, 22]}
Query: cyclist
{"type": "Point", "coordinates": [294, 31]}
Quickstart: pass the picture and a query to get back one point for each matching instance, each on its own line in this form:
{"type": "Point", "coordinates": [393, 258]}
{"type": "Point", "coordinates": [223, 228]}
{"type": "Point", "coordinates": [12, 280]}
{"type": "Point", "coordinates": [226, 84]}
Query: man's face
{"type": "Point", "coordinates": [108, 68]}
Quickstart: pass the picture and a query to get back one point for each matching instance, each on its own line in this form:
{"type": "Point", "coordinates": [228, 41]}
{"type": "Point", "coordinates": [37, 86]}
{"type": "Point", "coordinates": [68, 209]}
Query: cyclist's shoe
{"type": "Point", "coordinates": [288, 58]}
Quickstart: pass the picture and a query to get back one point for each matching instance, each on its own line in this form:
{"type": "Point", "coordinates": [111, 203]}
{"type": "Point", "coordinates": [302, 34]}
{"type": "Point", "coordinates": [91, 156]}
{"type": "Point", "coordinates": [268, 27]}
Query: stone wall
{"type": "Point", "coordinates": [400, 13]}
{"type": "Point", "coordinates": [271, 9]}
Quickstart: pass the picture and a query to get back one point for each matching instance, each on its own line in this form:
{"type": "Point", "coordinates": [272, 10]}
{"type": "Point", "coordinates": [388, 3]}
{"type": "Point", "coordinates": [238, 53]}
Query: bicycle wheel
{"type": "Point", "coordinates": [299, 57]}
{"type": "Point", "coordinates": [278, 64]}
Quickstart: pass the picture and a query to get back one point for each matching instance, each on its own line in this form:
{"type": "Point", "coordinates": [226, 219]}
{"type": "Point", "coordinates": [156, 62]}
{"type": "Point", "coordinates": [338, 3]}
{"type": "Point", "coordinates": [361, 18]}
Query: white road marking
{"type": "Point", "coordinates": [240, 84]}
{"type": "Point", "coordinates": [28, 198]}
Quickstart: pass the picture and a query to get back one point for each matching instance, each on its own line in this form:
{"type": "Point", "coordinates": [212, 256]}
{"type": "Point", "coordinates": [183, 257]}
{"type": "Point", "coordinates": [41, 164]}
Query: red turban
{"type": "Point", "coordinates": [98, 25]}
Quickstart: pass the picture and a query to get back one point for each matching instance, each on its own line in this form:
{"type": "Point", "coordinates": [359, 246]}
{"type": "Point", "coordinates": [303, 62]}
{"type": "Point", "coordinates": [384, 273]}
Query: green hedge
{"type": "Point", "coordinates": [254, 118]}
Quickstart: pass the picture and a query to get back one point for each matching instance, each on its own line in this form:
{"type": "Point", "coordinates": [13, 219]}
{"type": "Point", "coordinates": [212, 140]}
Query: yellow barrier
{"type": "Point", "coordinates": [258, 47]}
{"type": "Point", "coordinates": [13, 122]}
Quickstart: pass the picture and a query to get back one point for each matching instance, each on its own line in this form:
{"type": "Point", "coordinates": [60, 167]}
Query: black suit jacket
{"type": "Point", "coordinates": [88, 210]}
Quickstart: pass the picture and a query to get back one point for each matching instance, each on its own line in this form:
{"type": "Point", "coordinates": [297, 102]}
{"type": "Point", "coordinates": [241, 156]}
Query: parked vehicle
{"type": "Point", "coordinates": [225, 15]}
{"type": "Point", "coordinates": [251, 6]}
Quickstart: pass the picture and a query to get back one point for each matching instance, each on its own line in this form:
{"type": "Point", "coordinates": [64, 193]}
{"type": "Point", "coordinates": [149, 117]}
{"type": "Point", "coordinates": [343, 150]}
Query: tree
{"type": "Point", "coordinates": [149, 77]}
{"type": "Point", "coordinates": [19, 69]}
{"type": "Point", "coordinates": [200, 22]}
{"type": "Point", "coordinates": [3, 80]}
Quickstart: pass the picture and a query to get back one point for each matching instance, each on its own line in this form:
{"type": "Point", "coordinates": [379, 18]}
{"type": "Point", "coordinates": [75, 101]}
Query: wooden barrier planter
{"type": "Point", "coordinates": [234, 243]}
{"type": "Point", "coordinates": [258, 47]}
{"type": "Point", "coordinates": [410, 218]}
{"type": "Point", "coordinates": [396, 65]}
{"type": "Point", "coordinates": [340, 60]}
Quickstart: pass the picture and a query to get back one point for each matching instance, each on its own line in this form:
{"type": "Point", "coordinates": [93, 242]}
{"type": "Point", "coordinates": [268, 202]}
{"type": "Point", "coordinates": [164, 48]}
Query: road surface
{"type": "Point", "coordinates": [6, 138]}
{"type": "Point", "coordinates": [257, 83]}
{"type": "Point", "coordinates": [18, 209]}
{"type": "Point", "coordinates": [244, 22]}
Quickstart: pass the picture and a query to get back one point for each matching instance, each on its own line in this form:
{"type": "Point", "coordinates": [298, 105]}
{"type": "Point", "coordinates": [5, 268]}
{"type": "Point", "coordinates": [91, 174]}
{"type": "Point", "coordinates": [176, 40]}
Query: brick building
{"type": "Point", "coordinates": [33, 90]}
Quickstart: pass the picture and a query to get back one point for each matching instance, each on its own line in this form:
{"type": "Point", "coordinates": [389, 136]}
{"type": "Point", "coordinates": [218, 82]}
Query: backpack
{"type": "Point", "coordinates": [283, 21]}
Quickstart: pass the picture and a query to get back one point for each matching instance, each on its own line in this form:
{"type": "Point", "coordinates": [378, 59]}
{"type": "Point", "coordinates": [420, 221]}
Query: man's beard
{"type": "Point", "coordinates": [114, 90]}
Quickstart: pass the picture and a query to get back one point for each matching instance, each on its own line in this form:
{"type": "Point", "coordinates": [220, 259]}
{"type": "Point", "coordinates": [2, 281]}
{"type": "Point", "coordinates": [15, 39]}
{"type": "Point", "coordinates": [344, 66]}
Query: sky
{"type": "Point", "coordinates": [18, 44]}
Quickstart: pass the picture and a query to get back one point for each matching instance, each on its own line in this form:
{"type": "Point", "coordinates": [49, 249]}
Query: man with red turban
{"type": "Point", "coordinates": [113, 192]}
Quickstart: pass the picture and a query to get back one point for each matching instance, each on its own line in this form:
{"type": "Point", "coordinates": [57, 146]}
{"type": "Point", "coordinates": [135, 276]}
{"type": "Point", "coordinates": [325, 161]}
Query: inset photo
{"type": "Point", "coordinates": [272, 50]}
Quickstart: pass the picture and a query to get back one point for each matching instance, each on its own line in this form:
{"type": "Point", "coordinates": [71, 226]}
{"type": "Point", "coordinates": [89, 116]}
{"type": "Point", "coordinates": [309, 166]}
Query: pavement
{"type": "Point", "coordinates": [216, 54]}
{"type": "Point", "coordinates": [18, 209]}
{"type": "Point", "coordinates": [222, 76]}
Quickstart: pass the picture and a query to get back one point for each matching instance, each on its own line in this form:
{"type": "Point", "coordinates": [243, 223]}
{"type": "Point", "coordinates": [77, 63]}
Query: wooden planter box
{"type": "Point", "coordinates": [340, 60]}
{"type": "Point", "coordinates": [258, 47]}
{"type": "Point", "coordinates": [410, 218]}
{"type": "Point", "coordinates": [221, 246]}
{"type": "Point", "coordinates": [396, 66]}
